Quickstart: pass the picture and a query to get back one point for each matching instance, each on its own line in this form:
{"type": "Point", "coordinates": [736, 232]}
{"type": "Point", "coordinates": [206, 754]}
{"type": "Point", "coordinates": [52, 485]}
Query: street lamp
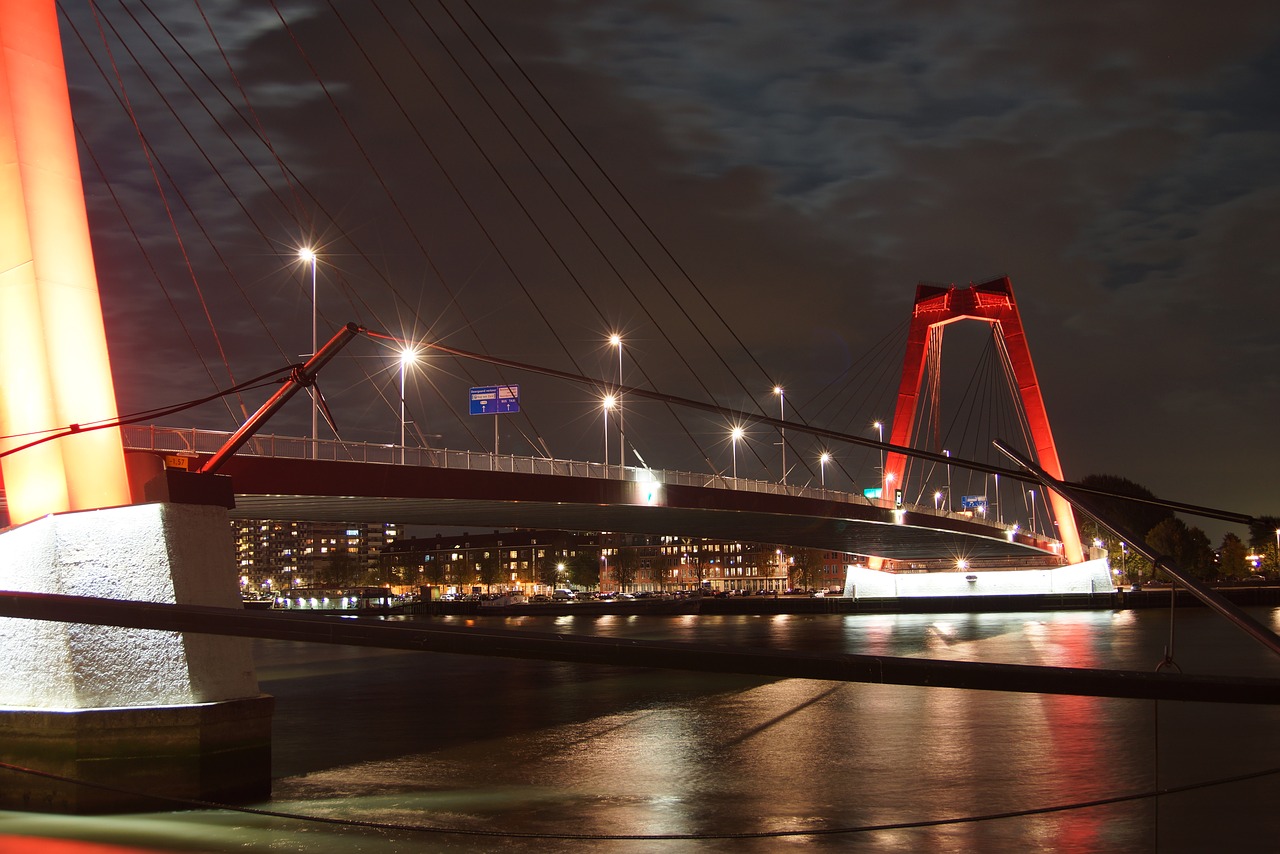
{"type": "Point", "coordinates": [736, 435]}
{"type": "Point", "coordinates": [308, 256]}
{"type": "Point", "coordinates": [879, 425]}
{"type": "Point", "coordinates": [822, 467]}
{"type": "Point", "coordinates": [1032, 493]}
{"type": "Point", "coordinates": [888, 487]}
{"type": "Point", "coordinates": [782, 431]}
{"type": "Point", "coordinates": [937, 499]}
{"type": "Point", "coordinates": [999, 515]}
{"type": "Point", "coordinates": [948, 454]}
{"type": "Point", "coordinates": [616, 340]}
{"type": "Point", "coordinates": [608, 403]}
{"type": "Point", "coordinates": [408, 356]}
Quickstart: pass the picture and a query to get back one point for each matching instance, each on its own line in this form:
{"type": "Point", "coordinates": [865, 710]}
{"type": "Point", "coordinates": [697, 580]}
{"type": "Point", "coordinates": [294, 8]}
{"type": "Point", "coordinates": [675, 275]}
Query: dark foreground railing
{"type": "Point", "coordinates": [641, 653]}
{"type": "Point", "coordinates": [1081, 501]}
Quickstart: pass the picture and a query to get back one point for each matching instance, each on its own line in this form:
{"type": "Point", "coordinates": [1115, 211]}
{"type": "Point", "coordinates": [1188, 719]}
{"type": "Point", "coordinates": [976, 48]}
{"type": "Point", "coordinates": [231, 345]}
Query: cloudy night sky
{"type": "Point", "coordinates": [750, 191]}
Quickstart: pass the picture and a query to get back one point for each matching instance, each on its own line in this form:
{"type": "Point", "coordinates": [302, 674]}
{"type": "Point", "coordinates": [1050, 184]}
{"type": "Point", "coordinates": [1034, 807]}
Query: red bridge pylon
{"type": "Point", "coordinates": [990, 302]}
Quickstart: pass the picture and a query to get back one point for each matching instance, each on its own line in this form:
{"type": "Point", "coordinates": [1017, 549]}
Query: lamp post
{"type": "Point", "coordinates": [1032, 493]}
{"type": "Point", "coordinates": [616, 340]}
{"type": "Point", "coordinates": [888, 487]}
{"type": "Point", "coordinates": [879, 425]}
{"type": "Point", "coordinates": [1278, 547]}
{"type": "Point", "coordinates": [736, 435]}
{"type": "Point", "coordinates": [948, 455]}
{"type": "Point", "coordinates": [308, 256]}
{"type": "Point", "coordinates": [608, 403]}
{"type": "Point", "coordinates": [408, 356]}
{"type": "Point", "coordinates": [822, 467]}
{"type": "Point", "coordinates": [782, 431]}
{"type": "Point", "coordinates": [999, 515]}
{"type": "Point", "coordinates": [937, 499]}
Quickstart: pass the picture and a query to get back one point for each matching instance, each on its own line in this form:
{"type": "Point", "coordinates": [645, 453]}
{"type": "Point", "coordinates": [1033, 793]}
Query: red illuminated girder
{"type": "Point", "coordinates": [54, 370]}
{"type": "Point", "coordinates": [991, 302]}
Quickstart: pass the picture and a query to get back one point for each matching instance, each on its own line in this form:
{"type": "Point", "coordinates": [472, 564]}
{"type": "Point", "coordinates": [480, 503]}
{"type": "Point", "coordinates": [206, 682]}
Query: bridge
{"type": "Point", "coordinates": [276, 477]}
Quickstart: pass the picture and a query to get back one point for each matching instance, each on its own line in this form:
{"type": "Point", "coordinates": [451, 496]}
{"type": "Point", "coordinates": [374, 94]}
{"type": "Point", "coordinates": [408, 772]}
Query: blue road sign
{"type": "Point", "coordinates": [495, 399]}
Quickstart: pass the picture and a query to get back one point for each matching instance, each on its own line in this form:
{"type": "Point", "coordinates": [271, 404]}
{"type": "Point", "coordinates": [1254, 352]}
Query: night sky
{"type": "Point", "coordinates": [777, 178]}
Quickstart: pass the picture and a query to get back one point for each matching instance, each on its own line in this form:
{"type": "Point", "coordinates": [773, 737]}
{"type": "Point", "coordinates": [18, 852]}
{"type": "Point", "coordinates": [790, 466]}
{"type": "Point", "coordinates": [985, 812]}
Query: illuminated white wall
{"type": "Point", "coordinates": [150, 552]}
{"type": "Point", "coordinates": [1089, 577]}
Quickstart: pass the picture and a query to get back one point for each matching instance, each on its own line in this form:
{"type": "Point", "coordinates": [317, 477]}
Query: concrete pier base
{"type": "Point", "coordinates": [218, 752]}
{"type": "Point", "coordinates": [154, 711]}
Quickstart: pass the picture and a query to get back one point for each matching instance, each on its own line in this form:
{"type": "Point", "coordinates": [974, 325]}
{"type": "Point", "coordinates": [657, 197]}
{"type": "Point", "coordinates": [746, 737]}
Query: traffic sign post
{"type": "Point", "coordinates": [495, 400]}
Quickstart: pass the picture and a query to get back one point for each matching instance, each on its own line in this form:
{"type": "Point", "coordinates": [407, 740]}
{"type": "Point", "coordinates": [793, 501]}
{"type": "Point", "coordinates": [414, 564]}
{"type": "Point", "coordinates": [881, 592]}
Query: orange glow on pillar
{"type": "Point", "coordinates": [54, 369]}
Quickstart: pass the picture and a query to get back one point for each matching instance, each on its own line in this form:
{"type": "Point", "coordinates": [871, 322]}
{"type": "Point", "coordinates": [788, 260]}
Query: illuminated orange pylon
{"type": "Point", "coordinates": [991, 302]}
{"type": "Point", "coordinates": [54, 370]}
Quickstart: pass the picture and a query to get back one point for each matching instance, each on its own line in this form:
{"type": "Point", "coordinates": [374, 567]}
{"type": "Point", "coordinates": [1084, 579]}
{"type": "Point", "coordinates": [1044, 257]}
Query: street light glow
{"type": "Point", "coordinates": [408, 356]}
{"type": "Point", "coordinates": [736, 434]}
{"type": "Point", "coordinates": [606, 403]}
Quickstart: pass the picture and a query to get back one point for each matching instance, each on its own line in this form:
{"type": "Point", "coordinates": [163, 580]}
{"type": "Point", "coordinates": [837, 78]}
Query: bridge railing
{"type": "Point", "coordinates": [191, 441]}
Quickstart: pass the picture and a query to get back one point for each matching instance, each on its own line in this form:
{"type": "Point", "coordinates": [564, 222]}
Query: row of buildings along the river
{"type": "Point", "coordinates": [273, 556]}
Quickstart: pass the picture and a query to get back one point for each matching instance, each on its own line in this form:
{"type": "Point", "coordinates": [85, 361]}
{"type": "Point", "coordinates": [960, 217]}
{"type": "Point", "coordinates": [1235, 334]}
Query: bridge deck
{"type": "Point", "coordinates": [371, 492]}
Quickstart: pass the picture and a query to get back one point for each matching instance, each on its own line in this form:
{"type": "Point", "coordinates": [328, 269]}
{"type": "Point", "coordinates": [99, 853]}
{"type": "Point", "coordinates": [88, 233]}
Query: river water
{"type": "Point", "coordinates": [537, 756]}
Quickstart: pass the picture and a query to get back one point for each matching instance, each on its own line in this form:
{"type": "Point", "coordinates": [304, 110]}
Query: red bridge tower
{"type": "Point", "coordinates": [991, 302]}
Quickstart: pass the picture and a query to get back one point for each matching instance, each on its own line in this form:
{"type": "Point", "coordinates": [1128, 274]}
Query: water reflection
{"type": "Point", "coordinates": [524, 747]}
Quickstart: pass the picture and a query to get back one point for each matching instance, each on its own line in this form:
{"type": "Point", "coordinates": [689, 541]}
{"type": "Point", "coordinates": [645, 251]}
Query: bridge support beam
{"type": "Point", "coordinates": [166, 712]}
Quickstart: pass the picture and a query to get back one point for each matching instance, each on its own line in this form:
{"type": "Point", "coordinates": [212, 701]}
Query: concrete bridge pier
{"type": "Point", "coordinates": [126, 709]}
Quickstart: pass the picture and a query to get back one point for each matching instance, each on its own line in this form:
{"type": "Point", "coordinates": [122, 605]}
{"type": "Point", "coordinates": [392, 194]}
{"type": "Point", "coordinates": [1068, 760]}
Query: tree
{"type": "Point", "coordinates": [1134, 516]}
{"type": "Point", "coordinates": [1231, 562]}
{"type": "Point", "coordinates": [699, 567]}
{"type": "Point", "coordinates": [1133, 566]}
{"type": "Point", "coordinates": [397, 566]}
{"type": "Point", "coordinates": [547, 571]}
{"type": "Point", "coordinates": [337, 570]}
{"type": "Point", "coordinates": [805, 564]}
{"type": "Point", "coordinates": [625, 564]}
{"type": "Point", "coordinates": [434, 570]}
{"type": "Point", "coordinates": [584, 569]}
{"type": "Point", "coordinates": [1188, 546]}
{"type": "Point", "coordinates": [490, 569]}
{"type": "Point", "coordinates": [1264, 539]}
{"type": "Point", "coordinates": [661, 564]}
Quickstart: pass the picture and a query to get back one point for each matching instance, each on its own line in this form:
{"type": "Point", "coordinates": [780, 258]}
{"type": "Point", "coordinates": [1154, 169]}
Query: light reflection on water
{"type": "Point", "coordinates": [542, 747]}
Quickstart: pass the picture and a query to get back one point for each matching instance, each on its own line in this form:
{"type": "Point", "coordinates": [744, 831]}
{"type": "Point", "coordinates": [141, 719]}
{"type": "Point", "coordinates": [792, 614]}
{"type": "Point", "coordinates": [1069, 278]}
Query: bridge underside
{"type": "Point", "coordinates": [371, 492]}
